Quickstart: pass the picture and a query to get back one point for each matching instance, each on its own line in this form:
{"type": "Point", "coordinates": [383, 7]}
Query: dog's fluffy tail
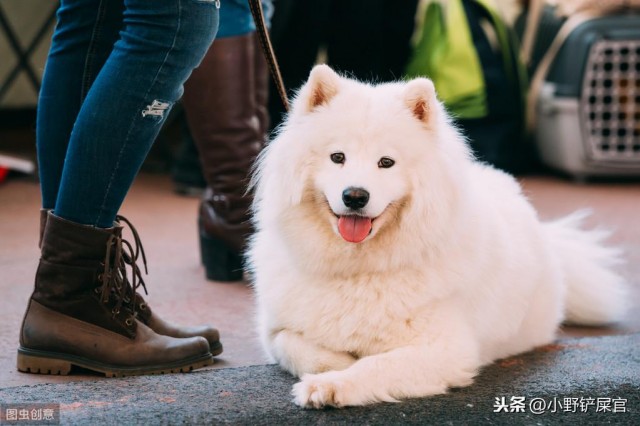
{"type": "Point", "coordinates": [596, 293]}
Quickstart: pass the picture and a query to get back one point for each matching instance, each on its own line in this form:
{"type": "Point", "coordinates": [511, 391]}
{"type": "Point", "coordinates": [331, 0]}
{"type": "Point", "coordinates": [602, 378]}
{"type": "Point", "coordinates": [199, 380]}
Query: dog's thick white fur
{"type": "Point", "coordinates": [455, 272]}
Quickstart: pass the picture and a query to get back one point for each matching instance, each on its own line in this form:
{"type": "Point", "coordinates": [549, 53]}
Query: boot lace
{"type": "Point", "coordinates": [120, 257]}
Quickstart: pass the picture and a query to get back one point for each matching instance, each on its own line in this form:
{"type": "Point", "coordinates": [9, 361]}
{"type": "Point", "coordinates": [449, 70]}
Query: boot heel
{"type": "Point", "coordinates": [220, 263]}
{"type": "Point", "coordinates": [42, 365]}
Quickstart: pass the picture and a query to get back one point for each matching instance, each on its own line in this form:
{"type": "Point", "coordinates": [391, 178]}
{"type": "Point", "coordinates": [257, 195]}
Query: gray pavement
{"type": "Point", "coordinates": [602, 374]}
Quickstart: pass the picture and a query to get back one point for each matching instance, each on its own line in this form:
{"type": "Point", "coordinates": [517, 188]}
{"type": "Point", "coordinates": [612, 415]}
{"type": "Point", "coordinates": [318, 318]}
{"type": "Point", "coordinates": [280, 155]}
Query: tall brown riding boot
{"type": "Point", "coordinates": [143, 310]}
{"type": "Point", "coordinates": [261, 84]}
{"type": "Point", "coordinates": [79, 313]}
{"type": "Point", "coordinates": [220, 106]}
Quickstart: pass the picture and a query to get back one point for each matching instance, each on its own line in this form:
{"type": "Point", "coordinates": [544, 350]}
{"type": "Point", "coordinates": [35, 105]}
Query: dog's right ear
{"type": "Point", "coordinates": [321, 87]}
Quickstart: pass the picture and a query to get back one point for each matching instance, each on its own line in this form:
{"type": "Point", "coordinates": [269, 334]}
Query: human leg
{"type": "Point", "coordinates": [160, 43]}
{"type": "Point", "coordinates": [82, 280]}
{"type": "Point", "coordinates": [225, 106]}
{"type": "Point", "coordinates": [84, 36]}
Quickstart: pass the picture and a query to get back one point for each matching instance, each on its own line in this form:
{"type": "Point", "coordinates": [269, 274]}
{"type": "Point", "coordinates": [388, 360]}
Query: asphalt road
{"type": "Point", "coordinates": [577, 381]}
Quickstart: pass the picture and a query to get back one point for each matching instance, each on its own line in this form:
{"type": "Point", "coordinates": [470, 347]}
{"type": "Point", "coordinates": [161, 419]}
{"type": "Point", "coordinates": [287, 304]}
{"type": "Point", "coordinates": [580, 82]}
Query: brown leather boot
{"type": "Point", "coordinates": [261, 84]}
{"type": "Point", "coordinates": [143, 310]}
{"type": "Point", "coordinates": [78, 313]}
{"type": "Point", "coordinates": [220, 106]}
{"type": "Point", "coordinates": [166, 328]}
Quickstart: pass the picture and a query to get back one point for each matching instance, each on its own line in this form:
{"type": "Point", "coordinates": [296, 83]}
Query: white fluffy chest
{"type": "Point", "coordinates": [361, 315]}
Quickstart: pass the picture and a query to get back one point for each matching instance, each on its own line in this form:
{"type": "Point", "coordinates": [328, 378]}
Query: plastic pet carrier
{"type": "Point", "coordinates": [584, 104]}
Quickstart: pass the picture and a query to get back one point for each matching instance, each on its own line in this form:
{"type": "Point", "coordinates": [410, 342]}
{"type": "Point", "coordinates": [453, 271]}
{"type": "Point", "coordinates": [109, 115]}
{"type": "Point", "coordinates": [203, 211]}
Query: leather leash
{"type": "Point", "coordinates": [267, 49]}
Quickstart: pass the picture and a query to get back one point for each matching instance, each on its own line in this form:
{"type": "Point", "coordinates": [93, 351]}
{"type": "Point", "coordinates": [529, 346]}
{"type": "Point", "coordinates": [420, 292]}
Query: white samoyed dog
{"type": "Point", "coordinates": [389, 264]}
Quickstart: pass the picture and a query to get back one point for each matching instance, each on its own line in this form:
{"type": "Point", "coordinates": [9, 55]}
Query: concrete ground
{"type": "Point", "coordinates": [240, 389]}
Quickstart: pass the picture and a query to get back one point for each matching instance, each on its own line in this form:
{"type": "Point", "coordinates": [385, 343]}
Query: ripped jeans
{"type": "Point", "coordinates": [115, 68]}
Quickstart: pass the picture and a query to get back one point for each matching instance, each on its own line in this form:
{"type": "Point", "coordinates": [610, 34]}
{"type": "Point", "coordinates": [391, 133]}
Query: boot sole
{"type": "Point", "coordinates": [44, 362]}
{"type": "Point", "coordinates": [216, 349]}
{"type": "Point", "coordinates": [220, 263]}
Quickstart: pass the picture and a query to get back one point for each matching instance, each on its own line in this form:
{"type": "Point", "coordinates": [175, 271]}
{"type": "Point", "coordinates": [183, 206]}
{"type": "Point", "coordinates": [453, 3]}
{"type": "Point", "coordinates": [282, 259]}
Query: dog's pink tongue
{"type": "Point", "coordinates": [354, 228]}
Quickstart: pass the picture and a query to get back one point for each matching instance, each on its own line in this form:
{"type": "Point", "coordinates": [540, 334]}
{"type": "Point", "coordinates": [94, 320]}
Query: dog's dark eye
{"type": "Point", "coordinates": [386, 162]}
{"type": "Point", "coordinates": [337, 157]}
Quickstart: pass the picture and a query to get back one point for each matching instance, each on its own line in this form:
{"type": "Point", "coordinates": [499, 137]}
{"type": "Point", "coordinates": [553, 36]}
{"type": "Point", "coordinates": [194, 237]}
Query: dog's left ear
{"type": "Point", "coordinates": [321, 87]}
{"type": "Point", "coordinates": [420, 98]}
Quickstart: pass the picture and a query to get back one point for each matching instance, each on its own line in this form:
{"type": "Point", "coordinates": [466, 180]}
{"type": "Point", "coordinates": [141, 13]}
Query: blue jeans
{"type": "Point", "coordinates": [236, 19]}
{"type": "Point", "coordinates": [115, 69]}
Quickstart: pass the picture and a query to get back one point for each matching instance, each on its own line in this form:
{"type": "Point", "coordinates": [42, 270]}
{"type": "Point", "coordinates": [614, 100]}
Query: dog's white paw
{"type": "Point", "coordinates": [321, 390]}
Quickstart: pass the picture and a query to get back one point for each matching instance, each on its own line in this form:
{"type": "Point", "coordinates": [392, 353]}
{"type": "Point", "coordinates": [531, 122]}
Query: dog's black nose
{"type": "Point", "coordinates": [355, 198]}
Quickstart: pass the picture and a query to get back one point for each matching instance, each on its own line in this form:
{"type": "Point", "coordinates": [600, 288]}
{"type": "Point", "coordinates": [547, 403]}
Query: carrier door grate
{"type": "Point", "coordinates": [610, 104]}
